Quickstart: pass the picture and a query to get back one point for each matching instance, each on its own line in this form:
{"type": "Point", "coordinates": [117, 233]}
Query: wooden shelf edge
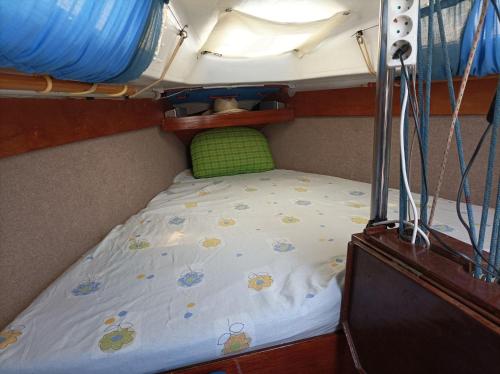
{"type": "Point", "coordinates": [228, 120]}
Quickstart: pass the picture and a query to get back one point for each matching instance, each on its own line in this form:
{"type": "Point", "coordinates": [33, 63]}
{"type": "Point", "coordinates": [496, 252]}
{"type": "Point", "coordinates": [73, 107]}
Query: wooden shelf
{"type": "Point", "coordinates": [230, 119]}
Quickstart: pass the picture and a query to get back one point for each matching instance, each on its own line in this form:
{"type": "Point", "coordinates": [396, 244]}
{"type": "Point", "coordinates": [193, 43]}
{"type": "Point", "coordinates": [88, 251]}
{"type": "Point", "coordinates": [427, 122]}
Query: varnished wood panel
{"type": "Point", "coordinates": [323, 354]}
{"type": "Point", "coordinates": [186, 136]}
{"type": "Point", "coordinates": [360, 101]}
{"type": "Point", "coordinates": [402, 315]}
{"type": "Point", "coordinates": [441, 267]}
{"type": "Point", "coordinates": [29, 124]}
{"type": "Point", "coordinates": [228, 119]}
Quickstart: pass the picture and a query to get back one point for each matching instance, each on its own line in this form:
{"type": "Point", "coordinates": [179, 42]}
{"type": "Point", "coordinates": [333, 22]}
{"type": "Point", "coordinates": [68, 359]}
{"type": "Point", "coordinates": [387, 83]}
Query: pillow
{"type": "Point", "coordinates": [230, 151]}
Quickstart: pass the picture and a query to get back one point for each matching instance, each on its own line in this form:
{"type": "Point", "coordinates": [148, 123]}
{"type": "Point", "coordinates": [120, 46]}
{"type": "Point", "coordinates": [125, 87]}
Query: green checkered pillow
{"type": "Point", "coordinates": [230, 151]}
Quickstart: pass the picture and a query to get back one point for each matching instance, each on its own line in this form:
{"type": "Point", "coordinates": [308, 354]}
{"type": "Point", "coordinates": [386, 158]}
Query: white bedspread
{"type": "Point", "coordinates": [211, 267]}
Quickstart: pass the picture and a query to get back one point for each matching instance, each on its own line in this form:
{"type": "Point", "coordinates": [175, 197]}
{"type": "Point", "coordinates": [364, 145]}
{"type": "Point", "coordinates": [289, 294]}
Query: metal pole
{"type": "Point", "coordinates": [383, 125]}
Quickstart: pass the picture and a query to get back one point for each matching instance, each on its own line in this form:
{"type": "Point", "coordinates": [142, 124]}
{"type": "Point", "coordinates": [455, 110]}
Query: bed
{"type": "Point", "coordinates": [210, 268]}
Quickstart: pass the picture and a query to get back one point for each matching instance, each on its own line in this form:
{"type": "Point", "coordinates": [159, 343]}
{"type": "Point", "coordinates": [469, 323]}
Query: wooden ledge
{"type": "Point", "coordinates": [228, 120]}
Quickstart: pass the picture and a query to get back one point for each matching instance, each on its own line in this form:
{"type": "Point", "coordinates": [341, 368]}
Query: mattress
{"type": "Point", "coordinates": [210, 268]}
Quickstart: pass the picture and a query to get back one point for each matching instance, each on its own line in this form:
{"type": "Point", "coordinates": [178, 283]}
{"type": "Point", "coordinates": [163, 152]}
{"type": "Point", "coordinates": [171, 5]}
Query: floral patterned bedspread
{"type": "Point", "coordinates": [210, 267]}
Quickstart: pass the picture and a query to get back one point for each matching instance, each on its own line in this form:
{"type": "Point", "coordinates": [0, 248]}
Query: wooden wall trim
{"type": "Point", "coordinates": [212, 121]}
{"type": "Point", "coordinates": [360, 101]}
{"type": "Point", "coordinates": [29, 124]}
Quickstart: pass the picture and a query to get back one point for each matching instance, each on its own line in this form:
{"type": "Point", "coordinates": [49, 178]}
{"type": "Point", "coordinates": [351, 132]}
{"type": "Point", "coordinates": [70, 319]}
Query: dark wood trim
{"type": "Point", "coordinates": [29, 124]}
{"type": "Point", "coordinates": [360, 101]}
{"type": "Point", "coordinates": [413, 310]}
{"type": "Point", "coordinates": [322, 354]}
{"type": "Point", "coordinates": [186, 136]}
{"type": "Point", "coordinates": [443, 271]}
{"type": "Point", "coordinates": [344, 308]}
{"type": "Point", "coordinates": [229, 119]}
{"type": "Point", "coordinates": [352, 348]}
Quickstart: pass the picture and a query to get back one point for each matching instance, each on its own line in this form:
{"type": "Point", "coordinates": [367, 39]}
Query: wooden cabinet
{"type": "Point", "coordinates": [407, 309]}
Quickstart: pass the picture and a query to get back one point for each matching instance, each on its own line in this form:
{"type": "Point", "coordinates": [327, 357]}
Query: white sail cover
{"type": "Point", "coordinates": [240, 35]}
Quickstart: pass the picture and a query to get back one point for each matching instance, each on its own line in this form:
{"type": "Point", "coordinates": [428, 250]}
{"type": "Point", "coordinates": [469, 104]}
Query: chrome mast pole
{"type": "Point", "coordinates": [383, 124]}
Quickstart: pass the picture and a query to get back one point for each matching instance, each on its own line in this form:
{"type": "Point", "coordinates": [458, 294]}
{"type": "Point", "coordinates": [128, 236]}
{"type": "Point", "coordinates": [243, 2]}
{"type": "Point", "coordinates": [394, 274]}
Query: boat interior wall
{"type": "Point", "coordinates": [29, 124]}
{"type": "Point", "coordinates": [360, 101]}
{"type": "Point", "coordinates": [57, 203]}
{"type": "Point", "coordinates": [61, 121]}
{"type": "Point", "coordinates": [339, 146]}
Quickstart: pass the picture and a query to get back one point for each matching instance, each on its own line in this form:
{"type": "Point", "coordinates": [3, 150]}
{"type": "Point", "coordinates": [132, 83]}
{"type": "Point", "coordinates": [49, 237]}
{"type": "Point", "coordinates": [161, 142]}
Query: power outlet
{"type": "Point", "coordinates": [402, 31]}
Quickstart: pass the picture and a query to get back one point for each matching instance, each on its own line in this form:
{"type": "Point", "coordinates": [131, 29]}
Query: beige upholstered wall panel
{"type": "Point", "coordinates": [57, 203]}
{"type": "Point", "coordinates": [342, 146]}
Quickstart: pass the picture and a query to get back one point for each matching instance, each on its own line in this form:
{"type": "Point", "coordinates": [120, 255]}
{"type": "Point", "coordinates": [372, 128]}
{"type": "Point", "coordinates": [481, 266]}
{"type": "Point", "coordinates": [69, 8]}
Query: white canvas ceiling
{"type": "Point", "coordinates": [241, 35]}
{"type": "Point", "coordinates": [336, 61]}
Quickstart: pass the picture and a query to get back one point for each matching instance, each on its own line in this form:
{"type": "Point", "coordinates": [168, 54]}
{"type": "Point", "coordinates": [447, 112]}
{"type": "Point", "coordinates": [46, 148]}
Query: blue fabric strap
{"type": "Point", "coordinates": [495, 241]}
{"type": "Point", "coordinates": [458, 132]}
{"type": "Point", "coordinates": [495, 237]}
{"type": "Point", "coordinates": [490, 169]}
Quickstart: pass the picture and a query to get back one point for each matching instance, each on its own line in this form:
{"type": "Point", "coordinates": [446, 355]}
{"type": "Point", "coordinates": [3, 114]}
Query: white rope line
{"type": "Point", "coordinates": [175, 17]}
{"type": "Point", "coordinates": [121, 93]}
{"type": "Point", "coordinates": [403, 165]}
{"type": "Point", "coordinates": [457, 107]}
{"type": "Point", "coordinates": [183, 36]}
{"type": "Point", "coordinates": [48, 88]}
{"type": "Point", "coordinates": [364, 52]}
{"type": "Point", "coordinates": [89, 91]}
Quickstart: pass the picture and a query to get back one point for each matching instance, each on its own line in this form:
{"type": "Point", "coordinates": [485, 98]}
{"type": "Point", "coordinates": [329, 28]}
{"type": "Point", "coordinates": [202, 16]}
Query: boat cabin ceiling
{"type": "Point", "coordinates": [333, 60]}
{"type": "Point", "coordinates": [304, 45]}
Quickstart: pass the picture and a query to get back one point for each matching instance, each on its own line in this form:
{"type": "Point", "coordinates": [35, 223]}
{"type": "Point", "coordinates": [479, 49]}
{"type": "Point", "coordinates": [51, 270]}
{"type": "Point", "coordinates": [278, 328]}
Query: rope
{"type": "Point", "coordinates": [89, 91]}
{"type": "Point", "coordinates": [489, 170]}
{"type": "Point", "coordinates": [48, 88]}
{"type": "Point", "coordinates": [121, 93]}
{"type": "Point", "coordinates": [458, 132]}
{"type": "Point", "coordinates": [458, 104]}
{"type": "Point", "coordinates": [424, 129]}
{"type": "Point", "coordinates": [494, 247]}
{"type": "Point", "coordinates": [364, 52]}
{"type": "Point", "coordinates": [183, 35]}
{"type": "Point", "coordinates": [495, 237]}
{"type": "Point", "coordinates": [175, 17]}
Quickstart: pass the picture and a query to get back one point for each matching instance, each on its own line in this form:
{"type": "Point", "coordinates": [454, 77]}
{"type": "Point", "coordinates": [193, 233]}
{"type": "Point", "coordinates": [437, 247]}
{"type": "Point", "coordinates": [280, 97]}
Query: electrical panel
{"type": "Point", "coordinates": [402, 30]}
